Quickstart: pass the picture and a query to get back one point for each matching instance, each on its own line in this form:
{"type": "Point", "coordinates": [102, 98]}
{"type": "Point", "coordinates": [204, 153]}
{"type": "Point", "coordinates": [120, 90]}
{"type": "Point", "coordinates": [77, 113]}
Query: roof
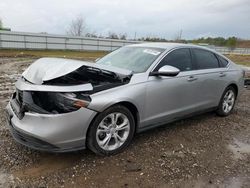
{"type": "Point", "coordinates": [167, 45]}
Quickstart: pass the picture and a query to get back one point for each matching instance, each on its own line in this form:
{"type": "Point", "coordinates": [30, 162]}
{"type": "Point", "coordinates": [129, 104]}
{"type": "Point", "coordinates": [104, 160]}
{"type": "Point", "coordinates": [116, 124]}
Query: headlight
{"type": "Point", "coordinates": [53, 102]}
{"type": "Point", "coordinates": [68, 102]}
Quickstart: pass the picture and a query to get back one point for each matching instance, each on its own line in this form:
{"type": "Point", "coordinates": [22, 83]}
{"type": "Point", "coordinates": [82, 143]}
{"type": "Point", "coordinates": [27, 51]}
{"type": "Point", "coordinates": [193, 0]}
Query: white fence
{"type": "Point", "coordinates": [23, 40]}
{"type": "Point", "coordinates": [224, 50]}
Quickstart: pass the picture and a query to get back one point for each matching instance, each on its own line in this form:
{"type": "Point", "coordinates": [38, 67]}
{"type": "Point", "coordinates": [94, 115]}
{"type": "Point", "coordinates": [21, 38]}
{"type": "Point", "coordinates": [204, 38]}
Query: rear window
{"type": "Point", "coordinates": [223, 61]}
{"type": "Point", "coordinates": [205, 59]}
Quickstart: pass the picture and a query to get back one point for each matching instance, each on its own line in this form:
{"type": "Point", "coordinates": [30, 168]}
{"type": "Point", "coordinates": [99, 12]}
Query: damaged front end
{"type": "Point", "coordinates": [47, 102]}
{"type": "Point", "coordinates": [43, 91]}
{"type": "Point", "coordinates": [49, 109]}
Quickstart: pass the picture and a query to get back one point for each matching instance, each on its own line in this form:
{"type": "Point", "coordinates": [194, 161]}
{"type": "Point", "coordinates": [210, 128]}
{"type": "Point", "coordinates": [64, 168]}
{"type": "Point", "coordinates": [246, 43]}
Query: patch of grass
{"type": "Point", "coordinates": [240, 59]}
{"type": "Point", "coordinates": [89, 55]}
{"type": "Point", "coordinates": [244, 63]}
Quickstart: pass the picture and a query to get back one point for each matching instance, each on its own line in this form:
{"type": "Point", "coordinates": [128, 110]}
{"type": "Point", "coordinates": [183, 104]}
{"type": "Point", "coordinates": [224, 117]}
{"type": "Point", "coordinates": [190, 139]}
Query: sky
{"type": "Point", "coordinates": [140, 18]}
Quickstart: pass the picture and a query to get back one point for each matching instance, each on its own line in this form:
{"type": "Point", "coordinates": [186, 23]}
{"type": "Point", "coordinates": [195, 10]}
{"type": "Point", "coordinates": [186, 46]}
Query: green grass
{"type": "Point", "coordinates": [244, 63]}
{"type": "Point", "coordinates": [89, 55]}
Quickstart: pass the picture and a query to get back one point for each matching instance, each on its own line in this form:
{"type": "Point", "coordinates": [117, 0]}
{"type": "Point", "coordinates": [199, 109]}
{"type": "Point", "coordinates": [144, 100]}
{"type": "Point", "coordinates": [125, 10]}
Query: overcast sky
{"type": "Point", "coordinates": [161, 18]}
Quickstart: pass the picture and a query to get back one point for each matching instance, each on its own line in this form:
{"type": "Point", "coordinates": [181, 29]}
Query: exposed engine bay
{"type": "Point", "coordinates": [62, 93]}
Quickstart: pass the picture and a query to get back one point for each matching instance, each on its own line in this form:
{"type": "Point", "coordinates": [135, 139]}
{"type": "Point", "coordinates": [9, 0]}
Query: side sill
{"type": "Point", "coordinates": [160, 124]}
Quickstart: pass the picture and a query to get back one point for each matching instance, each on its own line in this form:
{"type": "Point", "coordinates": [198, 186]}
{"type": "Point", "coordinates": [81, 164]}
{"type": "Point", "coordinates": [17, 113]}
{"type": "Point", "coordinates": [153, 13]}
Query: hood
{"type": "Point", "coordinates": [46, 69]}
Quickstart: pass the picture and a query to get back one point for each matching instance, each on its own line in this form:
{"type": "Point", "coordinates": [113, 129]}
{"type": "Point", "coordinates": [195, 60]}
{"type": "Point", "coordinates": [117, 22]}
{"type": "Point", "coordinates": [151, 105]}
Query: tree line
{"type": "Point", "coordinates": [218, 41]}
{"type": "Point", "coordinates": [78, 27]}
{"type": "Point", "coordinates": [230, 42]}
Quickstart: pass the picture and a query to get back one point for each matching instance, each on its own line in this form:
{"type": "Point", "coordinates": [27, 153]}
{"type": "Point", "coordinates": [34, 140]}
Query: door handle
{"type": "Point", "coordinates": [222, 74]}
{"type": "Point", "coordinates": [192, 78]}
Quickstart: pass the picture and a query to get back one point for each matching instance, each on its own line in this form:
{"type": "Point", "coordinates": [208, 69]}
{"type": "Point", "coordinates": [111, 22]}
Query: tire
{"type": "Point", "coordinates": [225, 106]}
{"type": "Point", "coordinates": [109, 134]}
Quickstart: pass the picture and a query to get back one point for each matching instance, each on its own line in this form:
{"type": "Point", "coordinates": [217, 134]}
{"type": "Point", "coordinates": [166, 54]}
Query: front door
{"type": "Point", "coordinates": [168, 98]}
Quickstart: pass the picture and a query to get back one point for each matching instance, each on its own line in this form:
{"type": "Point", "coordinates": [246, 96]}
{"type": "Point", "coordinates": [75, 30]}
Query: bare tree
{"type": "Point", "coordinates": [112, 35]}
{"type": "Point", "coordinates": [89, 34]}
{"type": "Point", "coordinates": [178, 36]}
{"type": "Point", "coordinates": [123, 36]}
{"type": "Point", "coordinates": [77, 27]}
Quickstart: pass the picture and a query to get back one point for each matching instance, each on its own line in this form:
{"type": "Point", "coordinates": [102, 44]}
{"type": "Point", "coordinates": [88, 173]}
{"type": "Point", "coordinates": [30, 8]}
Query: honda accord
{"type": "Point", "coordinates": [64, 105]}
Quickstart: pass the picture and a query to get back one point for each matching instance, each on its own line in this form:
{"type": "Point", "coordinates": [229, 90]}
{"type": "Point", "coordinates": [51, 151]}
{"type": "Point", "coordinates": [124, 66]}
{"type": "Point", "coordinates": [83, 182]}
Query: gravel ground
{"type": "Point", "coordinates": [203, 151]}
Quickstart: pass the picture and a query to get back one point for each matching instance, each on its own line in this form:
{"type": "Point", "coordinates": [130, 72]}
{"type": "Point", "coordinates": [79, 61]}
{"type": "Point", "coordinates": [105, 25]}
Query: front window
{"type": "Point", "coordinates": [136, 59]}
{"type": "Point", "coordinates": [180, 58]}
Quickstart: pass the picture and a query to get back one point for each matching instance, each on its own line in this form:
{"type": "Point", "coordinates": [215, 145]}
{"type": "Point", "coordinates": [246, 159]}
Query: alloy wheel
{"type": "Point", "coordinates": [228, 101]}
{"type": "Point", "coordinates": [113, 131]}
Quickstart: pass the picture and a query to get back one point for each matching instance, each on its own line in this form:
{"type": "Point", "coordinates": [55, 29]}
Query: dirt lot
{"type": "Point", "coordinates": [203, 151]}
{"type": "Point", "coordinates": [240, 59]}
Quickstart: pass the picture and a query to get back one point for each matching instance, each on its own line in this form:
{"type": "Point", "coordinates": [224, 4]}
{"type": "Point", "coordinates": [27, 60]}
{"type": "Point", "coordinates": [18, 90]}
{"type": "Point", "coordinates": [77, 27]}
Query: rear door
{"type": "Point", "coordinates": [211, 74]}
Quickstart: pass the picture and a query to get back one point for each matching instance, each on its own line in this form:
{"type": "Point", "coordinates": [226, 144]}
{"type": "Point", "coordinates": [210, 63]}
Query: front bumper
{"type": "Point", "coordinates": [51, 132]}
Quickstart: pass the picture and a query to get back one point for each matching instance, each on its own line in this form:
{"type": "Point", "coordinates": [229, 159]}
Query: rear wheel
{"type": "Point", "coordinates": [111, 131]}
{"type": "Point", "coordinates": [227, 102]}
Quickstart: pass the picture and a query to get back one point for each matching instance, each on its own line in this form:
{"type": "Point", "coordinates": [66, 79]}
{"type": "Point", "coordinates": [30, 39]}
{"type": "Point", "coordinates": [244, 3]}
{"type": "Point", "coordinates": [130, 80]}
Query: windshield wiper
{"type": "Point", "coordinates": [104, 72]}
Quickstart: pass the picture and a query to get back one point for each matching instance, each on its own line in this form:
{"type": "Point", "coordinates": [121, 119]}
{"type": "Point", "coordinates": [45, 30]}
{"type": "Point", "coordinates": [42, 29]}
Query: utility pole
{"type": "Point", "coordinates": [180, 34]}
{"type": "Point", "coordinates": [135, 36]}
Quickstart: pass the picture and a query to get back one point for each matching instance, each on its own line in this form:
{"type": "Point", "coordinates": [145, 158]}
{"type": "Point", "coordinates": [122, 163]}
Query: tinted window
{"type": "Point", "coordinates": [180, 59]}
{"type": "Point", "coordinates": [205, 59]}
{"type": "Point", "coordinates": [223, 61]}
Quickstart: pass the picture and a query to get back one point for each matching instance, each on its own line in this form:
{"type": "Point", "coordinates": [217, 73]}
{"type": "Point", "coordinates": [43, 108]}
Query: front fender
{"type": "Point", "coordinates": [134, 94]}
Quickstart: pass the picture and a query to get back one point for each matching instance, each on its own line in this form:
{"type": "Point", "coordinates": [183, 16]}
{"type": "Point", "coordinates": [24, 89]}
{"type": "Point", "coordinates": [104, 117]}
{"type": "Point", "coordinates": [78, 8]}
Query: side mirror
{"type": "Point", "coordinates": [166, 70]}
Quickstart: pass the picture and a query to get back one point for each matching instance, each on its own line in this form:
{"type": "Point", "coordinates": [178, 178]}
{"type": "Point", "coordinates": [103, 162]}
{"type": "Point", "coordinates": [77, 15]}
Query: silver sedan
{"type": "Point", "coordinates": [65, 105]}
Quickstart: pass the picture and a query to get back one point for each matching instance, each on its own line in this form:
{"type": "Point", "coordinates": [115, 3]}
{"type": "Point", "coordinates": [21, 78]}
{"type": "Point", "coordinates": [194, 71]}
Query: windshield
{"type": "Point", "coordinates": [136, 59]}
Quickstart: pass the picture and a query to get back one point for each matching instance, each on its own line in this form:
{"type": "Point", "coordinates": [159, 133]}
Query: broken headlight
{"type": "Point", "coordinates": [67, 102]}
{"type": "Point", "coordinates": [53, 102]}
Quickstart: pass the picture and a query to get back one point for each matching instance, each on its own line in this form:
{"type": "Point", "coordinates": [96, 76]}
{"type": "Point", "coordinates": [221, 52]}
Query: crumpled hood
{"type": "Point", "coordinates": [46, 69]}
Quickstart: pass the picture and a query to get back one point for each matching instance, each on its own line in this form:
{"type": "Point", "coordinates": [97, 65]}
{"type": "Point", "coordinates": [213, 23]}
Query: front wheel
{"type": "Point", "coordinates": [227, 102]}
{"type": "Point", "coordinates": [111, 131]}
